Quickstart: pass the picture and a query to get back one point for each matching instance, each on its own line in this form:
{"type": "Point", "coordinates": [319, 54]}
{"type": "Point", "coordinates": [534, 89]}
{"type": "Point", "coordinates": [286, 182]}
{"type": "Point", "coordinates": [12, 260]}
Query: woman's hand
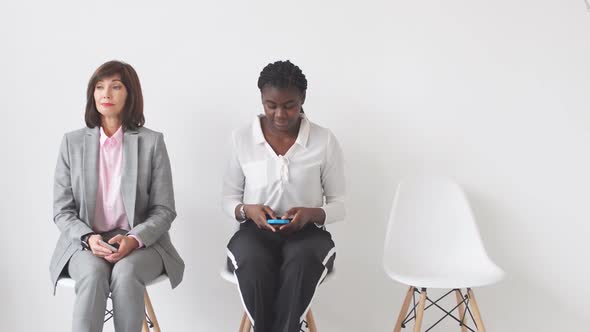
{"type": "Point", "coordinates": [258, 214]}
{"type": "Point", "coordinates": [98, 249]}
{"type": "Point", "coordinates": [126, 245]}
{"type": "Point", "coordinates": [301, 217]}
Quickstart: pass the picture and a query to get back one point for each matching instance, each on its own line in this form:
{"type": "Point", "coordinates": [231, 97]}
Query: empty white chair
{"type": "Point", "coordinates": [432, 241]}
{"type": "Point", "coordinates": [150, 320]}
{"type": "Point", "coordinates": [246, 325]}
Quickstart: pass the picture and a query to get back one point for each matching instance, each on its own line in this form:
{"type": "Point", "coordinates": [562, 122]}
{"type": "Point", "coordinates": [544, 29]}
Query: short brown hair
{"type": "Point", "coordinates": [133, 111]}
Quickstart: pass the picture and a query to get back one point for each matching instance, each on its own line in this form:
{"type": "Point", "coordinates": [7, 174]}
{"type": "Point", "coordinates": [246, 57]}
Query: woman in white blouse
{"type": "Point", "coordinates": [282, 166]}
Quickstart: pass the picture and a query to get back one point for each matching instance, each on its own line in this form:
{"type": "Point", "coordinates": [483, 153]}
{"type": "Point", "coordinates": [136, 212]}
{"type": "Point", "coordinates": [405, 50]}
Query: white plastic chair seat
{"type": "Point", "coordinates": [228, 276]}
{"type": "Point", "coordinates": [71, 283]}
{"type": "Point", "coordinates": [451, 276]}
{"type": "Point", "coordinates": [66, 282]}
{"type": "Point", "coordinates": [231, 277]}
{"type": "Point", "coordinates": [432, 239]}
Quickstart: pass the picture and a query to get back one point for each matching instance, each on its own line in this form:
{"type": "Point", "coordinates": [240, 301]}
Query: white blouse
{"type": "Point", "coordinates": [310, 174]}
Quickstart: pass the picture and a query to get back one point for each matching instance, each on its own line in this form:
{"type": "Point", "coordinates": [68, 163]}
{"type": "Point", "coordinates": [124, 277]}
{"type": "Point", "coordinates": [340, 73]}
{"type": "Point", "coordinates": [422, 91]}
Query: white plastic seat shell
{"type": "Point", "coordinates": [432, 239]}
{"type": "Point", "coordinates": [71, 283]}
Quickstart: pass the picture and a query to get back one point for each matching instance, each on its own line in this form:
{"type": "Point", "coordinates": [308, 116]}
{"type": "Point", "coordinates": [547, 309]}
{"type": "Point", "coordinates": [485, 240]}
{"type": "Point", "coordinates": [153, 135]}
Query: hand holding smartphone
{"type": "Point", "coordinates": [278, 222]}
{"type": "Point", "coordinates": [112, 247]}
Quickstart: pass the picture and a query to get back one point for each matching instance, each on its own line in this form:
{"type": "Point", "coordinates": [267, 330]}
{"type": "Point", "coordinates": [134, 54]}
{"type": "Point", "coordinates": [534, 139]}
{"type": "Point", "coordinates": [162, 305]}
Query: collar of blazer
{"type": "Point", "coordinates": [128, 177]}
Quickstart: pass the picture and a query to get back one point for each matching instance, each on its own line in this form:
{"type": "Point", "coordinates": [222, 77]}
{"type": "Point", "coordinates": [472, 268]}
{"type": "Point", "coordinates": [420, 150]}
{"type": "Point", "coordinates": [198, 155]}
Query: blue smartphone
{"type": "Point", "coordinates": [278, 221]}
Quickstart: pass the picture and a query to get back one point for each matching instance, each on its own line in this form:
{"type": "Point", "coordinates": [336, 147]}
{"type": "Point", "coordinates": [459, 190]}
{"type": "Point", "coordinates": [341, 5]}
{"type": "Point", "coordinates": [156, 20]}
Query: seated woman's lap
{"type": "Point", "coordinates": [145, 264]}
{"type": "Point", "coordinates": [251, 247]}
{"type": "Point", "coordinates": [261, 248]}
{"type": "Point", "coordinates": [83, 264]}
{"type": "Point", "coordinates": [311, 245]}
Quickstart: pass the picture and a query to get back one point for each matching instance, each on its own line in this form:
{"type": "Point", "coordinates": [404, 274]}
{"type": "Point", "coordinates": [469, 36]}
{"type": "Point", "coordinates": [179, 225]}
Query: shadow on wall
{"type": "Point", "coordinates": [521, 301]}
{"type": "Point", "coordinates": [517, 304]}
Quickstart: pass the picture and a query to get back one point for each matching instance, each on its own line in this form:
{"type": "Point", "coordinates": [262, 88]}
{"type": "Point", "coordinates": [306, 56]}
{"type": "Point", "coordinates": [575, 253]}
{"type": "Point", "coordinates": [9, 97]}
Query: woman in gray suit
{"type": "Point", "coordinates": [113, 188]}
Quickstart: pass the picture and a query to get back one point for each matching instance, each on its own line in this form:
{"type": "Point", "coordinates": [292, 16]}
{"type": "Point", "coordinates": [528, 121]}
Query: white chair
{"type": "Point", "coordinates": [149, 322]}
{"type": "Point", "coordinates": [246, 325]}
{"type": "Point", "coordinates": [432, 241]}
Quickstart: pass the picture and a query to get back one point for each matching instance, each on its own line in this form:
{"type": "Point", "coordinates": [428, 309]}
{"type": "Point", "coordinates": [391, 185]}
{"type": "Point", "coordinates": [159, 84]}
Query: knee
{"type": "Point", "coordinates": [244, 240]}
{"type": "Point", "coordinates": [302, 256]}
{"type": "Point", "coordinates": [246, 251]}
{"type": "Point", "coordinates": [258, 261]}
{"type": "Point", "coordinates": [124, 273]}
{"type": "Point", "coordinates": [95, 278]}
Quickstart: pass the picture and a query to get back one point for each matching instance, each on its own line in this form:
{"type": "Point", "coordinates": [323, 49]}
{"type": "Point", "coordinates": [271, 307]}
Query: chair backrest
{"type": "Point", "coordinates": [431, 229]}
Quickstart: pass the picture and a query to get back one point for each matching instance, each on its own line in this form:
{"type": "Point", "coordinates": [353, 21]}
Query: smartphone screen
{"type": "Point", "coordinates": [114, 247]}
{"type": "Point", "coordinates": [278, 221]}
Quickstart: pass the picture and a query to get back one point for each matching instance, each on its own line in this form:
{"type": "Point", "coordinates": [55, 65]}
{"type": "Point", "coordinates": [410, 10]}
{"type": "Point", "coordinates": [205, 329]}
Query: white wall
{"type": "Point", "coordinates": [493, 93]}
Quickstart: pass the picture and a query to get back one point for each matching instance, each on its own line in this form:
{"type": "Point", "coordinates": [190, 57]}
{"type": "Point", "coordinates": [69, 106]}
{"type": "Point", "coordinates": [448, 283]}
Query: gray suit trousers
{"type": "Point", "coordinates": [125, 280]}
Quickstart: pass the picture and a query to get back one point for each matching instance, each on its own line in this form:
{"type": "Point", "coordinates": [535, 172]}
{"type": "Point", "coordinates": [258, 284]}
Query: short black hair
{"type": "Point", "coordinates": [282, 74]}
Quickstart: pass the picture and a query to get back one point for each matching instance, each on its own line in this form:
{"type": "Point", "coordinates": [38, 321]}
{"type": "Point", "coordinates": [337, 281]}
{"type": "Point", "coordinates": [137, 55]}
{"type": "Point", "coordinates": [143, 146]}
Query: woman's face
{"type": "Point", "coordinates": [110, 95]}
{"type": "Point", "coordinates": [282, 107]}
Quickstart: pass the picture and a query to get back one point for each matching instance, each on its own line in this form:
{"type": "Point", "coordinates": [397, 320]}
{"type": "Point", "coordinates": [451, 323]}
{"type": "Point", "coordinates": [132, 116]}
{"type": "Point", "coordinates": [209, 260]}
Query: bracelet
{"type": "Point", "coordinates": [85, 244]}
{"type": "Point", "coordinates": [242, 212]}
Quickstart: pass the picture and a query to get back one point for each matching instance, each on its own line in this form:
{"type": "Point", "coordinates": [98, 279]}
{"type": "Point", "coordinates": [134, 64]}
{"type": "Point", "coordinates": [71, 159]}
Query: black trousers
{"type": "Point", "coordinates": [278, 274]}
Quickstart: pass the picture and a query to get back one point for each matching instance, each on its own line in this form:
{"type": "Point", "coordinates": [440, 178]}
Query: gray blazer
{"type": "Point", "coordinates": [146, 187]}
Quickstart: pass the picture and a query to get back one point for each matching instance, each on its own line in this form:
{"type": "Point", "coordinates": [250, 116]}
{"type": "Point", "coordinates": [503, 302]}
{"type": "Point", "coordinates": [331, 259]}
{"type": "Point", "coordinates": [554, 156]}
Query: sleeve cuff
{"type": "Point", "coordinates": [334, 212]}
{"type": "Point", "coordinates": [138, 240]}
{"type": "Point", "coordinates": [229, 206]}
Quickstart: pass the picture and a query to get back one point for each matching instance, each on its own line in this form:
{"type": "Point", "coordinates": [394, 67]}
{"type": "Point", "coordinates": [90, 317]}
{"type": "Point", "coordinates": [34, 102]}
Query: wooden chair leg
{"type": "Point", "coordinates": [245, 325]}
{"type": "Point", "coordinates": [145, 327]}
{"type": "Point", "coordinates": [150, 312]}
{"type": "Point", "coordinates": [475, 309]}
{"type": "Point", "coordinates": [461, 308]}
{"type": "Point", "coordinates": [242, 323]}
{"type": "Point", "coordinates": [404, 310]}
{"type": "Point", "coordinates": [420, 311]}
{"type": "Point", "coordinates": [311, 321]}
